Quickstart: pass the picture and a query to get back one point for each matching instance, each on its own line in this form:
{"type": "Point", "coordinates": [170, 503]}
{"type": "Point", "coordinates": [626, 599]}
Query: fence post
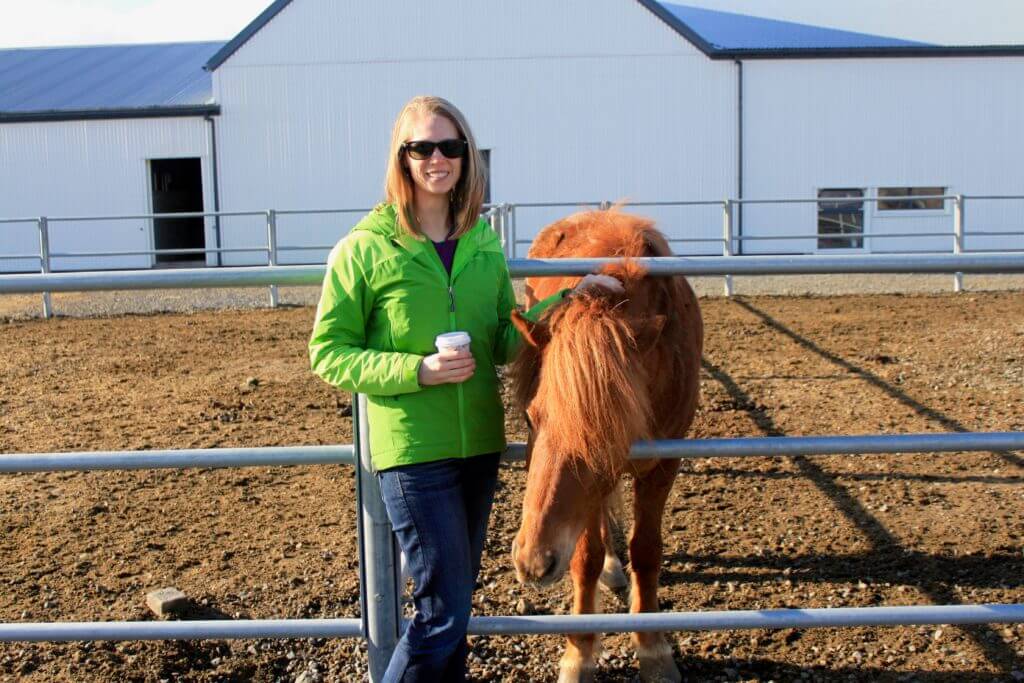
{"type": "Point", "coordinates": [958, 238]}
{"type": "Point", "coordinates": [513, 228]}
{"type": "Point", "coordinates": [500, 226]}
{"type": "Point", "coordinates": [272, 251]}
{"type": "Point", "coordinates": [727, 239]}
{"type": "Point", "coordinates": [489, 215]}
{"type": "Point", "coordinates": [44, 261]}
{"type": "Point", "coordinates": [505, 220]}
{"type": "Point", "coordinates": [378, 571]}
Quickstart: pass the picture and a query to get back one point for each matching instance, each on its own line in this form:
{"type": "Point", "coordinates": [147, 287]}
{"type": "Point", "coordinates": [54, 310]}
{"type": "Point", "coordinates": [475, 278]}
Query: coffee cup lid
{"type": "Point", "coordinates": [450, 340]}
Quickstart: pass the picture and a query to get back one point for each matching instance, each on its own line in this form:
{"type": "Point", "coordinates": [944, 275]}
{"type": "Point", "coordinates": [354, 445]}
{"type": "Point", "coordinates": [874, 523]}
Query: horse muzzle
{"type": "Point", "coordinates": [542, 568]}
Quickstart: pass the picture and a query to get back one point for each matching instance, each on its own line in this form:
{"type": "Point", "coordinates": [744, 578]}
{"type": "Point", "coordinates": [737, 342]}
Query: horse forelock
{"type": "Point", "coordinates": [591, 388]}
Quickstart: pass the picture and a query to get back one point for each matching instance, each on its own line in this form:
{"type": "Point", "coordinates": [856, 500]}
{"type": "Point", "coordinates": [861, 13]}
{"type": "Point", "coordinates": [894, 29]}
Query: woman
{"type": "Point", "coordinates": [421, 264]}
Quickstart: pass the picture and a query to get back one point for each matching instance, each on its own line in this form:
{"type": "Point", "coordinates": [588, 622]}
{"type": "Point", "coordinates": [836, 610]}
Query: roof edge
{"type": "Point", "coordinates": [30, 48]}
{"type": "Point", "coordinates": [866, 52]}
{"type": "Point", "coordinates": [108, 114]}
{"type": "Point", "coordinates": [245, 34]}
{"type": "Point", "coordinates": [684, 30]}
{"type": "Point", "coordinates": [679, 27]}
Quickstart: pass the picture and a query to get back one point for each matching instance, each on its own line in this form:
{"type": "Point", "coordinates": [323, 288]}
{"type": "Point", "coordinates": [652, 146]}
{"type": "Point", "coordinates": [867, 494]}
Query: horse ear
{"type": "Point", "coordinates": [531, 299]}
{"type": "Point", "coordinates": [535, 334]}
{"type": "Point", "coordinates": [649, 331]}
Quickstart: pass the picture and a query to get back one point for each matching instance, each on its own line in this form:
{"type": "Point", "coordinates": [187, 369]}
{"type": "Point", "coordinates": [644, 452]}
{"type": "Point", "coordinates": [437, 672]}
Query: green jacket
{"type": "Point", "coordinates": [386, 296]}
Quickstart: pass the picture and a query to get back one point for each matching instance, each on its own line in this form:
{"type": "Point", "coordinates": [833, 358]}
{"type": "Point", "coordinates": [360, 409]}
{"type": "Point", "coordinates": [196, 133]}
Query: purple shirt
{"type": "Point", "coordinates": [446, 250]}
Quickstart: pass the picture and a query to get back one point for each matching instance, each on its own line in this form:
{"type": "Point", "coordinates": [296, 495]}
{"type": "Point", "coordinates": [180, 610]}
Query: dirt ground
{"type": "Point", "coordinates": [740, 533]}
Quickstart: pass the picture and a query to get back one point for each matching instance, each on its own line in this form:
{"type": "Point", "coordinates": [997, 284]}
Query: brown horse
{"type": "Point", "coordinates": [602, 370]}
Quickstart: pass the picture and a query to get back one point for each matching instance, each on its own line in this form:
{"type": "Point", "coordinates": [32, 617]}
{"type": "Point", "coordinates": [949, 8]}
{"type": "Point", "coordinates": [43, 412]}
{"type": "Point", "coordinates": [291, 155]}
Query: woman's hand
{"type": "Point", "coordinates": [447, 368]}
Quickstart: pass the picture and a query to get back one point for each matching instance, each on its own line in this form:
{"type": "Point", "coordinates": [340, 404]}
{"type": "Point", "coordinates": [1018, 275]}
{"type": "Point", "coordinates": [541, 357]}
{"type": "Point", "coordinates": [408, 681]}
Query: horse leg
{"type": "Point", "coordinates": [612, 575]}
{"type": "Point", "coordinates": [651, 492]}
{"type": "Point", "coordinates": [579, 661]}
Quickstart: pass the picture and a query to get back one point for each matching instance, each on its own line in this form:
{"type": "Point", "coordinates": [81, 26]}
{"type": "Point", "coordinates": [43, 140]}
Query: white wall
{"type": "Point", "coordinates": [89, 168]}
{"type": "Point", "coordinates": [577, 101]}
{"type": "Point", "coordinates": [869, 123]}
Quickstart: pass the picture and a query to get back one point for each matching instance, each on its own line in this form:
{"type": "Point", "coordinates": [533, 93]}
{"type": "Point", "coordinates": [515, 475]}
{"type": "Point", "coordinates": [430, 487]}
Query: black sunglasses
{"type": "Point", "coordinates": [424, 149]}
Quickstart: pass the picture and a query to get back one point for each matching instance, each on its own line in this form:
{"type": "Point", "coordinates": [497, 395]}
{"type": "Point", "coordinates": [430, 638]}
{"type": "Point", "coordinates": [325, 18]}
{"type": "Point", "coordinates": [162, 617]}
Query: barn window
{"type": "Point", "coordinates": [842, 214]}
{"type": "Point", "coordinates": [930, 198]}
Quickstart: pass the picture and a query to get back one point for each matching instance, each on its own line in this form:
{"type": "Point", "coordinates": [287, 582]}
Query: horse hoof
{"type": "Point", "coordinates": [612, 576]}
{"type": "Point", "coordinates": [573, 670]}
{"type": "Point", "coordinates": [575, 675]}
{"type": "Point", "coordinates": [660, 670]}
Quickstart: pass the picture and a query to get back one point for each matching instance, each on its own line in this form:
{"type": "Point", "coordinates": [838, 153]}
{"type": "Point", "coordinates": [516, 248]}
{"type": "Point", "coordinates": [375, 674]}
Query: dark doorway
{"type": "Point", "coordinates": [177, 186]}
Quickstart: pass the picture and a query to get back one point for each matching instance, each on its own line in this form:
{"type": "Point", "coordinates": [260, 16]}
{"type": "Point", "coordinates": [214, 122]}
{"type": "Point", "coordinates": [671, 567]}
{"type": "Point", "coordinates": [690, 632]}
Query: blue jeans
{"type": "Point", "coordinates": [439, 511]}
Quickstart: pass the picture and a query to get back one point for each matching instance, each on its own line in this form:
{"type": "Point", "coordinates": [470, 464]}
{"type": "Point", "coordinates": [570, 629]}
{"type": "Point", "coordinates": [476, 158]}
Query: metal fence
{"type": "Point", "coordinates": [380, 621]}
{"type": "Point", "coordinates": [286, 245]}
{"type": "Point", "coordinates": [699, 235]}
{"type": "Point", "coordinates": [274, 276]}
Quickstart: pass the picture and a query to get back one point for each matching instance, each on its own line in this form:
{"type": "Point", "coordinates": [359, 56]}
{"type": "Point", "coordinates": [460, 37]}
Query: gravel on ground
{"type": "Point", "coordinates": [739, 533]}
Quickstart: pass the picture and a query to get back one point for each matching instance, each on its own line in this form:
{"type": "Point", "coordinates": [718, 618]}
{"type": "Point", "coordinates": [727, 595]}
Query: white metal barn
{"type": "Point", "coordinates": [82, 132]}
{"type": "Point", "coordinates": [577, 101]}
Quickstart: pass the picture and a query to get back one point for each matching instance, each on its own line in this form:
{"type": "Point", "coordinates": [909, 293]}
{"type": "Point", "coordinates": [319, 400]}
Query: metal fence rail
{"type": "Point", "coordinates": [177, 459]}
{"type": "Point", "coordinates": [821, 617]}
{"type": "Point", "coordinates": [866, 444]}
{"type": "Point", "coordinates": [503, 218]}
{"type": "Point", "coordinates": [830, 617]}
{"type": "Point", "coordinates": [345, 454]}
{"type": "Point", "coordinates": [219, 629]}
{"type": "Point", "coordinates": [258, 276]}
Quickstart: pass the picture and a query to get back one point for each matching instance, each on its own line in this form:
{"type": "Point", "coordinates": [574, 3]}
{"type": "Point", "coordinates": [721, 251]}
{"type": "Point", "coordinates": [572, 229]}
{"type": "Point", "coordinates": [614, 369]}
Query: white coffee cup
{"type": "Point", "coordinates": [451, 342]}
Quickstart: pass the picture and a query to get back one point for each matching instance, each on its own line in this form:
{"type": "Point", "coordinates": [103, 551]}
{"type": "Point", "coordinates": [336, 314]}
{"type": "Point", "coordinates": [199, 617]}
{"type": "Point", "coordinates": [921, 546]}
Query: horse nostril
{"type": "Point", "coordinates": [550, 562]}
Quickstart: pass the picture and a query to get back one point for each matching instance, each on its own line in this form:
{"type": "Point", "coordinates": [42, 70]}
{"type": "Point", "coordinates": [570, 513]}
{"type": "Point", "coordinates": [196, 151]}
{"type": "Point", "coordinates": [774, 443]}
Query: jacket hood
{"type": "Point", "coordinates": [383, 220]}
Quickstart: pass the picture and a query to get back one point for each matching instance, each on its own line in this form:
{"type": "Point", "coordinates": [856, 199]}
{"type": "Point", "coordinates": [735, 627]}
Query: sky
{"type": "Point", "coordinates": [37, 23]}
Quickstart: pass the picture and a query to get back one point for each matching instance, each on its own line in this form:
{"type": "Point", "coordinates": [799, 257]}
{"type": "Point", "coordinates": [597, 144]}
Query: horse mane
{"type": "Point", "coordinates": [589, 380]}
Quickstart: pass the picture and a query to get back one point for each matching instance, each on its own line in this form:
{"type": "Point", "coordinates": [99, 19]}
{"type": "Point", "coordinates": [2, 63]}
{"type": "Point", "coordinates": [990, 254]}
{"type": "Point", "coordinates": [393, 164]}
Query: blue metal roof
{"type": "Point", "coordinates": [727, 35]}
{"type": "Point", "coordinates": [729, 31]}
{"type": "Point", "coordinates": [84, 80]}
{"type": "Point", "coordinates": [119, 81]}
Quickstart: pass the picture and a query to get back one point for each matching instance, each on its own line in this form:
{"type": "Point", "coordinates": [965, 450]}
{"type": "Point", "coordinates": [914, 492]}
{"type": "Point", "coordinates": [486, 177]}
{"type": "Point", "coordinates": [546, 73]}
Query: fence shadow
{"type": "Point", "coordinates": [885, 547]}
{"type": "Point", "coordinates": [695, 668]}
{"type": "Point", "coordinates": [872, 476]}
{"type": "Point", "coordinates": [882, 565]}
{"type": "Point", "coordinates": [921, 409]}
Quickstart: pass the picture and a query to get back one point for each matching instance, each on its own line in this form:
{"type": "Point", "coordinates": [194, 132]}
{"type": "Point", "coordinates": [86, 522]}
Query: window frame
{"type": "Point", "coordinates": [910, 213]}
{"type": "Point", "coordinates": [865, 221]}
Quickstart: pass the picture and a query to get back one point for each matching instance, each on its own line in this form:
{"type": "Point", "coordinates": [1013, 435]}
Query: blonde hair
{"type": "Point", "coordinates": [467, 197]}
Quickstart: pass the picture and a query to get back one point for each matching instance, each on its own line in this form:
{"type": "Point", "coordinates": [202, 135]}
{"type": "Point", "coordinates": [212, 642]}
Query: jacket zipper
{"type": "Point", "coordinates": [458, 387]}
{"type": "Point", "coordinates": [447, 280]}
